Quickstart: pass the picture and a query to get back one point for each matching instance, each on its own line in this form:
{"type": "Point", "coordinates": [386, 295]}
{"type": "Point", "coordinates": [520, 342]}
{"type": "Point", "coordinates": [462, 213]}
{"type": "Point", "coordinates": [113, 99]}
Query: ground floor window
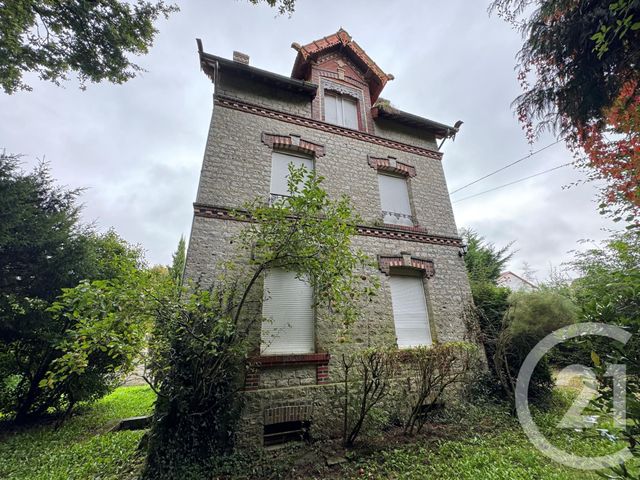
{"type": "Point", "coordinates": [289, 316]}
{"type": "Point", "coordinates": [410, 313]}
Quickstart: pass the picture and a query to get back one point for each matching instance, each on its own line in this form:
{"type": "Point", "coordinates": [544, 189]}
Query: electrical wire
{"type": "Point", "coordinates": [506, 166]}
{"type": "Point", "coordinates": [515, 181]}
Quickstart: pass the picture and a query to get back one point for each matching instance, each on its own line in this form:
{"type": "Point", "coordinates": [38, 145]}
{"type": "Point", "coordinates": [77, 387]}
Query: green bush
{"type": "Point", "coordinates": [531, 316]}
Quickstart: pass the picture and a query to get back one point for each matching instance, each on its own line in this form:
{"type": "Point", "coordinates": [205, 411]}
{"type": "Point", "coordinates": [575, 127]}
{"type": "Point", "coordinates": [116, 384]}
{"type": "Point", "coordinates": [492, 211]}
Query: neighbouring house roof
{"type": "Point", "coordinates": [505, 274]}
{"type": "Point", "coordinates": [210, 63]}
{"type": "Point", "coordinates": [383, 109]}
{"type": "Point", "coordinates": [342, 41]}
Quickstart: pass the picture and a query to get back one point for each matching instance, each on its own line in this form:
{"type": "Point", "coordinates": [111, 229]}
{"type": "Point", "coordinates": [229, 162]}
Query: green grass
{"type": "Point", "coordinates": [486, 443]}
{"type": "Point", "coordinates": [81, 448]}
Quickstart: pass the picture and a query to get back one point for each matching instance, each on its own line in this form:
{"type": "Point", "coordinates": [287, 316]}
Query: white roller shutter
{"type": "Point", "coordinates": [288, 309]}
{"type": "Point", "coordinates": [280, 171]}
{"type": "Point", "coordinates": [394, 199]}
{"type": "Point", "coordinates": [410, 311]}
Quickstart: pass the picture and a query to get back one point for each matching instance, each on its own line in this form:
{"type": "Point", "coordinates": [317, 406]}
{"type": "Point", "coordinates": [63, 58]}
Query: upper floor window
{"type": "Point", "coordinates": [341, 110]}
{"type": "Point", "coordinates": [410, 314]}
{"type": "Point", "coordinates": [280, 172]}
{"type": "Point", "coordinates": [288, 309]}
{"type": "Point", "coordinates": [394, 200]}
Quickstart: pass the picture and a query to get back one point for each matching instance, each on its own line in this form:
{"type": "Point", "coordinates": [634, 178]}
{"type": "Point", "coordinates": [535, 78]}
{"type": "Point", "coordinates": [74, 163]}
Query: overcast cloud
{"type": "Point", "coordinates": [138, 147]}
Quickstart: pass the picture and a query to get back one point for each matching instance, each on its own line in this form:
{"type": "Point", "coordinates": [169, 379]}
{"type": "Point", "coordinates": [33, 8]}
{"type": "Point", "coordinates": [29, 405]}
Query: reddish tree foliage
{"type": "Point", "coordinates": [613, 153]}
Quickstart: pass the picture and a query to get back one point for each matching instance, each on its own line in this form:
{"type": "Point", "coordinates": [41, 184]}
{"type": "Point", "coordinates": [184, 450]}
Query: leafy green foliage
{"type": "Point", "coordinates": [531, 316]}
{"type": "Point", "coordinates": [82, 447]}
{"type": "Point", "coordinates": [575, 77]}
{"type": "Point", "coordinates": [92, 39]}
{"type": "Point", "coordinates": [210, 330]}
{"type": "Point", "coordinates": [43, 251]}
{"type": "Point", "coordinates": [178, 261]}
{"type": "Point", "coordinates": [283, 6]}
{"type": "Point", "coordinates": [608, 291]}
{"type": "Point", "coordinates": [484, 261]}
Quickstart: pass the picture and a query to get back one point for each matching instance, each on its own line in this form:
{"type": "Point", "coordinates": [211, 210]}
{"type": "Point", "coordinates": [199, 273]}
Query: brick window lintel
{"type": "Point", "coordinates": [426, 267]}
{"type": "Point", "coordinates": [293, 143]}
{"type": "Point", "coordinates": [391, 165]}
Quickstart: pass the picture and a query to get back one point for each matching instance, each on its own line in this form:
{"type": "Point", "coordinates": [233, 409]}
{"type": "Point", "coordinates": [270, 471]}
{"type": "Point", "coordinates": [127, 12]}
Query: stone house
{"type": "Point", "coordinates": [328, 116]}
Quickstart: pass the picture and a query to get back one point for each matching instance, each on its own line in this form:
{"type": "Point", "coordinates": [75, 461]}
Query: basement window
{"type": "Point", "coordinates": [285, 432]}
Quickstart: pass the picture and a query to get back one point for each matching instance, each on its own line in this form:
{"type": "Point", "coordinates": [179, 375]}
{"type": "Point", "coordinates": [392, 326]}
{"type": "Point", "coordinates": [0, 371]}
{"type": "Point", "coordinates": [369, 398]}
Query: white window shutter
{"type": "Point", "coordinates": [288, 311]}
{"type": "Point", "coordinates": [350, 112]}
{"type": "Point", "coordinates": [280, 171]}
{"type": "Point", "coordinates": [394, 199]}
{"type": "Point", "coordinates": [410, 311]}
{"type": "Point", "coordinates": [331, 107]}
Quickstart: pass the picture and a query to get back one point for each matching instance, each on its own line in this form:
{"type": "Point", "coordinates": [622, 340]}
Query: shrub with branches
{"type": "Point", "coordinates": [374, 370]}
{"type": "Point", "coordinates": [431, 370]}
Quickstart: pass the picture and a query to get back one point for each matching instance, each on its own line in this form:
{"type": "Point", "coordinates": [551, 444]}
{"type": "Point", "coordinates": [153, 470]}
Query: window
{"type": "Point", "coordinates": [410, 311]}
{"type": "Point", "coordinates": [341, 110]}
{"type": "Point", "coordinates": [394, 199]}
{"type": "Point", "coordinates": [280, 171]}
{"type": "Point", "coordinates": [288, 309]}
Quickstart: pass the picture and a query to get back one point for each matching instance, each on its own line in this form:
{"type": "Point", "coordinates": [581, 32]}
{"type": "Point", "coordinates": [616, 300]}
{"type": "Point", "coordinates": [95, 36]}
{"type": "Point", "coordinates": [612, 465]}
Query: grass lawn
{"type": "Point", "coordinates": [80, 448]}
{"type": "Point", "coordinates": [485, 442]}
{"type": "Point", "coordinates": [472, 442]}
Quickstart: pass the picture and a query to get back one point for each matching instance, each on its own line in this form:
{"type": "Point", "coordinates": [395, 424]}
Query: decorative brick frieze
{"type": "Point", "coordinates": [410, 234]}
{"type": "Point", "coordinates": [266, 361]}
{"type": "Point", "coordinates": [391, 165]}
{"type": "Point", "coordinates": [288, 412]}
{"type": "Point", "coordinates": [293, 143]}
{"type": "Point", "coordinates": [235, 104]}
{"type": "Point", "coordinates": [385, 263]}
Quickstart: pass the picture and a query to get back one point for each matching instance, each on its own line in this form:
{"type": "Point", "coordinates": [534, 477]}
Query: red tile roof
{"type": "Point", "coordinates": [340, 39]}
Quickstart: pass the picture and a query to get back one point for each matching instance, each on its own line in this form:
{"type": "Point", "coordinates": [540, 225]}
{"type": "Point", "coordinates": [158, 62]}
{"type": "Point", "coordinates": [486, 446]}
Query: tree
{"type": "Point", "coordinates": [585, 59]}
{"type": "Point", "coordinates": [179, 258]}
{"type": "Point", "coordinates": [43, 251]}
{"type": "Point", "coordinates": [214, 327]}
{"type": "Point", "coordinates": [92, 39]}
{"type": "Point", "coordinates": [283, 6]}
{"type": "Point", "coordinates": [608, 291]}
{"type": "Point", "coordinates": [484, 261]}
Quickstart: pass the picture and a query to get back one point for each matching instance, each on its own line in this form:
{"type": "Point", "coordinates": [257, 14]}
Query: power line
{"type": "Point", "coordinates": [515, 181]}
{"type": "Point", "coordinates": [506, 166]}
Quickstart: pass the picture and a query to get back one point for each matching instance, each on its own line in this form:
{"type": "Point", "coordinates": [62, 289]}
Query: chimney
{"type": "Point", "coordinates": [241, 57]}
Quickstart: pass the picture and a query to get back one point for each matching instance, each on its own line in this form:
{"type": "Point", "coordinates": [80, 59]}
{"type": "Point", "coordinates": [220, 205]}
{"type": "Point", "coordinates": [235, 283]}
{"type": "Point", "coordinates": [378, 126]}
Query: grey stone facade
{"type": "Point", "coordinates": [236, 169]}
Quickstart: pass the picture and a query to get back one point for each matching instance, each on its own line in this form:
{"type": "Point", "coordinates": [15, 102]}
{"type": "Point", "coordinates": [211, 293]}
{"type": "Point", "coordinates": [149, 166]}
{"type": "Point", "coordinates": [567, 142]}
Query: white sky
{"type": "Point", "coordinates": [138, 147]}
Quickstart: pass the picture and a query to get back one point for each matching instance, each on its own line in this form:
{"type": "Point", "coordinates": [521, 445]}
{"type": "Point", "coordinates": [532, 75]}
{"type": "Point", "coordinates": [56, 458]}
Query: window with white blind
{"type": "Point", "coordinates": [341, 110]}
{"type": "Point", "coordinates": [394, 199]}
{"type": "Point", "coordinates": [280, 171]}
{"type": "Point", "coordinates": [288, 311]}
{"type": "Point", "coordinates": [410, 311]}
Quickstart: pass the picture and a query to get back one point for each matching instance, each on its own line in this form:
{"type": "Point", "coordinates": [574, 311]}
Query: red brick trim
{"type": "Point", "coordinates": [385, 263]}
{"type": "Point", "coordinates": [410, 234]}
{"type": "Point", "coordinates": [239, 105]}
{"type": "Point", "coordinates": [266, 361]}
{"type": "Point", "coordinates": [292, 143]}
{"type": "Point", "coordinates": [257, 363]}
{"type": "Point", "coordinates": [391, 165]}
